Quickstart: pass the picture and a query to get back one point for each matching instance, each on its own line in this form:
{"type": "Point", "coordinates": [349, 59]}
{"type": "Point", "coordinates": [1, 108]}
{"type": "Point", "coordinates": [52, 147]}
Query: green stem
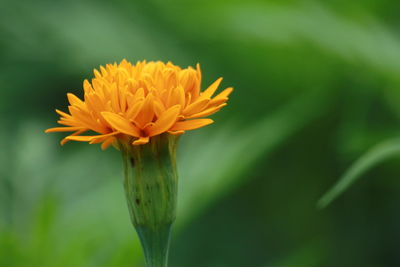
{"type": "Point", "coordinates": [155, 244]}
{"type": "Point", "coordinates": [151, 190]}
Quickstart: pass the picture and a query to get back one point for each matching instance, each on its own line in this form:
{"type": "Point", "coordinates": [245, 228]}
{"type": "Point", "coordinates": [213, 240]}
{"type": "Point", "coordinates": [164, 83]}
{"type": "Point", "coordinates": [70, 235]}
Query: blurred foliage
{"type": "Point", "coordinates": [316, 83]}
{"type": "Point", "coordinates": [377, 154]}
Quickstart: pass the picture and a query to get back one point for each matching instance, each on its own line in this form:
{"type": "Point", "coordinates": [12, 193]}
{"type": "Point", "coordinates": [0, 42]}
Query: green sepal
{"type": "Point", "coordinates": [151, 183]}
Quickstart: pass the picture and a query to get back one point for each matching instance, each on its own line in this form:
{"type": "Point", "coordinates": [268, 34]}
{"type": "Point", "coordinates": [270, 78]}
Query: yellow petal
{"type": "Point", "coordinates": [120, 124]}
{"type": "Point", "coordinates": [191, 124]}
{"type": "Point", "coordinates": [165, 121]}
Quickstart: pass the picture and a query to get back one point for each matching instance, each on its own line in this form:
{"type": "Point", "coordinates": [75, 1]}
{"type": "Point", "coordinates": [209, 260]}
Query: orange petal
{"type": "Point", "coordinates": [63, 113]}
{"type": "Point", "coordinates": [221, 97]}
{"type": "Point", "coordinates": [139, 94]}
{"type": "Point", "coordinates": [191, 124]}
{"type": "Point", "coordinates": [63, 129]}
{"type": "Point", "coordinates": [159, 108]}
{"type": "Point", "coordinates": [175, 96]}
{"type": "Point", "coordinates": [101, 138]}
{"type": "Point", "coordinates": [67, 123]}
{"type": "Point", "coordinates": [85, 119]}
{"type": "Point", "coordinates": [92, 139]}
{"type": "Point", "coordinates": [180, 96]}
{"type": "Point", "coordinates": [134, 110]}
{"type": "Point", "coordinates": [196, 90]}
{"type": "Point", "coordinates": [225, 93]}
{"type": "Point", "coordinates": [107, 143]}
{"type": "Point", "coordinates": [165, 121]}
{"type": "Point", "coordinates": [211, 89]}
{"type": "Point", "coordinates": [196, 107]}
{"type": "Point", "coordinates": [103, 71]}
{"type": "Point", "coordinates": [80, 138]}
{"type": "Point", "coordinates": [74, 100]}
{"type": "Point", "coordinates": [141, 141]}
{"type": "Point", "coordinates": [87, 87]}
{"type": "Point", "coordinates": [207, 112]}
{"type": "Point", "coordinates": [120, 124]}
{"type": "Point", "coordinates": [176, 132]}
{"type": "Point", "coordinates": [122, 97]}
{"type": "Point", "coordinates": [198, 70]}
{"type": "Point", "coordinates": [217, 102]}
{"type": "Point", "coordinates": [115, 98]}
{"type": "Point", "coordinates": [146, 113]}
{"type": "Point", "coordinates": [65, 140]}
{"type": "Point", "coordinates": [97, 74]}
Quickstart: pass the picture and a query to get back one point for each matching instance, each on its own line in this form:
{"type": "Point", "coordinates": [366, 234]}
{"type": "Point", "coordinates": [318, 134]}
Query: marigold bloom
{"type": "Point", "coordinates": [137, 102]}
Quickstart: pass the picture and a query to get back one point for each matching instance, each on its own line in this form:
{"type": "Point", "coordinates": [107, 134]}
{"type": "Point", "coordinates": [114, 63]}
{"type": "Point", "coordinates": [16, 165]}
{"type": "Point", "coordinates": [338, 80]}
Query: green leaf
{"type": "Point", "coordinates": [374, 156]}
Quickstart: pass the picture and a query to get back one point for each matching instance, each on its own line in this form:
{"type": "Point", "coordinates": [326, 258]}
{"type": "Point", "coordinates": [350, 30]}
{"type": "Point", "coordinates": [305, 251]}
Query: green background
{"type": "Point", "coordinates": [316, 85]}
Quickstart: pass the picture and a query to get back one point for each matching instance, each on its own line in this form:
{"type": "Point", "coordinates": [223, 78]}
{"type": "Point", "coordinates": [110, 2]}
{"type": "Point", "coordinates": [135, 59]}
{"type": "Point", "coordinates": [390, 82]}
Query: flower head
{"type": "Point", "coordinates": [137, 102]}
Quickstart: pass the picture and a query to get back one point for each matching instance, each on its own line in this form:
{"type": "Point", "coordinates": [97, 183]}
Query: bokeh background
{"type": "Point", "coordinates": [316, 85]}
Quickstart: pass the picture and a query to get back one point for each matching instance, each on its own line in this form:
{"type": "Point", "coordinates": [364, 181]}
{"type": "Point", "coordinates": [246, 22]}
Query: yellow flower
{"type": "Point", "coordinates": [137, 102]}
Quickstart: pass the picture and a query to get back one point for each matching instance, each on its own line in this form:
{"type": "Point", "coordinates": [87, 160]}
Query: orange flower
{"type": "Point", "coordinates": [137, 102]}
